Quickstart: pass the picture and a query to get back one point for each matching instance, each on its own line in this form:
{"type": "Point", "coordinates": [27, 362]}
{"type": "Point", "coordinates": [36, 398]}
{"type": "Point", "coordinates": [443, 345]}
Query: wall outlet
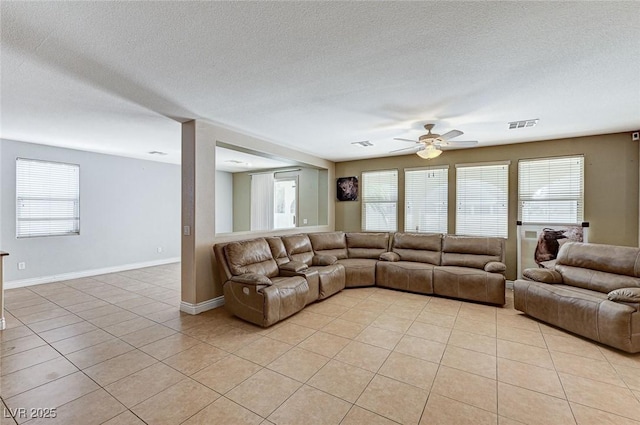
{"type": "Point", "coordinates": [22, 265]}
{"type": "Point", "coordinates": [305, 221]}
{"type": "Point", "coordinates": [186, 230]}
{"type": "Point", "coordinates": [159, 249]}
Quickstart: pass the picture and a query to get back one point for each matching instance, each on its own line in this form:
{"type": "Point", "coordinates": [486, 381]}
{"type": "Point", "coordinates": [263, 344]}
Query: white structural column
{"type": "Point", "coordinates": [3, 323]}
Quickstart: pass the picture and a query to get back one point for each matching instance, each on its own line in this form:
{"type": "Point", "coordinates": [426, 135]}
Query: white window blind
{"type": "Point", "coordinates": [551, 190]}
{"type": "Point", "coordinates": [425, 198]}
{"type": "Point", "coordinates": [380, 201]}
{"type": "Point", "coordinates": [262, 201]}
{"type": "Point", "coordinates": [482, 195]}
{"type": "Point", "coordinates": [47, 198]}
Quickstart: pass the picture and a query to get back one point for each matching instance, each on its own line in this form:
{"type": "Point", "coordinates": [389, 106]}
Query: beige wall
{"type": "Point", "coordinates": [611, 184]}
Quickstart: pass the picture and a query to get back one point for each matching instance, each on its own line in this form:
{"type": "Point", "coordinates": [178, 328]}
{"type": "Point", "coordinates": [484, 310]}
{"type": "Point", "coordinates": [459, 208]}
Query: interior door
{"type": "Point", "coordinates": [285, 205]}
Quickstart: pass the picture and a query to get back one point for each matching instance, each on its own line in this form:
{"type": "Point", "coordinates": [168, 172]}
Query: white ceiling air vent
{"type": "Point", "coordinates": [363, 144]}
{"type": "Point", "coordinates": [523, 124]}
{"type": "Point", "coordinates": [234, 161]}
{"type": "Point", "coordinates": [157, 153]}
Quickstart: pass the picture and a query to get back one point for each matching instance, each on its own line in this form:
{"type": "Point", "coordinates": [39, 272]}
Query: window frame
{"type": "Point", "coordinates": [439, 227]}
{"type": "Point", "coordinates": [366, 202]}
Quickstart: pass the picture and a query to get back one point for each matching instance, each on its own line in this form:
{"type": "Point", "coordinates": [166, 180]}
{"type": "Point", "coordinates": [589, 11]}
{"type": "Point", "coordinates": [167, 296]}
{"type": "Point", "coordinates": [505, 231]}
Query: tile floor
{"type": "Point", "coordinates": [114, 349]}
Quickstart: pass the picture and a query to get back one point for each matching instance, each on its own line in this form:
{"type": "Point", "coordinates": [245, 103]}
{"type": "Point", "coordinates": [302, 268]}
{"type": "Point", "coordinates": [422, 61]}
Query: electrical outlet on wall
{"type": "Point", "coordinates": [22, 265]}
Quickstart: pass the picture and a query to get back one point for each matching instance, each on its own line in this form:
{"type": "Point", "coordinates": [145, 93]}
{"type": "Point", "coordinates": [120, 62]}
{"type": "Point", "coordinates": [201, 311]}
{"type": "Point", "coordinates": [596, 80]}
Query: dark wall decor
{"type": "Point", "coordinates": [347, 189]}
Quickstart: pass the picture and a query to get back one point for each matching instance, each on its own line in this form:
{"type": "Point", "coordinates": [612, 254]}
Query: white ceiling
{"type": "Point", "coordinates": [118, 77]}
{"type": "Point", "coordinates": [234, 161]}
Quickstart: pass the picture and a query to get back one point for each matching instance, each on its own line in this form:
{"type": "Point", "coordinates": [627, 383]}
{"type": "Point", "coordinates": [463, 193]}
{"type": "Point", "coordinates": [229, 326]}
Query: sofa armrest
{"type": "Point", "coordinates": [542, 275]}
{"type": "Point", "coordinates": [252, 279]}
{"type": "Point", "coordinates": [294, 266]}
{"type": "Point", "coordinates": [389, 256]}
{"type": "Point", "coordinates": [625, 295]}
{"type": "Point", "coordinates": [495, 267]}
{"type": "Point", "coordinates": [323, 260]}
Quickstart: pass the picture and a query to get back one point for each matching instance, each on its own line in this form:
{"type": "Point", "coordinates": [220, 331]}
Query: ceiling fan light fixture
{"type": "Point", "coordinates": [429, 152]}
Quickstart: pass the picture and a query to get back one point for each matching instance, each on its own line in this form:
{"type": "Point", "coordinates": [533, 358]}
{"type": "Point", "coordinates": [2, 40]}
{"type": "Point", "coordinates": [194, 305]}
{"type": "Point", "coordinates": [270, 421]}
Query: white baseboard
{"type": "Point", "coordinates": [509, 284]}
{"type": "Point", "coordinates": [203, 306]}
{"type": "Point", "coordinates": [87, 273]}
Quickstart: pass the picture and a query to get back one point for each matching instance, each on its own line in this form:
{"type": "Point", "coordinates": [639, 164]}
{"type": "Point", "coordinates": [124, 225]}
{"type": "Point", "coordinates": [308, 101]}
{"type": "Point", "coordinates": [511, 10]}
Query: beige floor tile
{"type": "Point", "coordinates": [224, 411]}
{"type": "Point", "coordinates": [573, 345]}
{"type": "Point", "coordinates": [187, 321]}
{"type": "Point", "coordinates": [620, 358]}
{"type": "Point", "coordinates": [98, 353]}
{"type": "Point", "coordinates": [587, 368]}
{"type": "Point", "coordinates": [610, 398]}
{"type": "Point", "coordinates": [308, 405]}
{"type": "Point", "coordinates": [525, 354]}
{"type": "Point", "coordinates": [128, 326]}
{"type": "Point", "coordinates": [344, 298]}
{"type": "Point", "coordinates": [233, 339]}
{"type": "Point", "coordinates": [324, 343]}
{"type": "Point", "coordinates": [145, 383]}
{"type": "Point", "coordinates": [34, 376]}
{"type": "Point", "coordinates": [630, 376]}
{"type": "Point", "coordinates": [470, 361]}
{"type": "Point", "coordinates": [175, 404]}
{"type": "Point", "coordinates": [112, 319]}
{"type": "Point", "coordinates": [32, 309]}
{"type": "Point", "coordinates": [520, 321]}
{"type": "Point", "coordinates": [19, 345]}
{"type": "Point", "coordinates": [362, 317]}
{"type": "Point", "coordinates": [392, 323]}
{"type": "Point", "coordinates": [533, 378]}
{"type": "Point", "coordinates": [48, 314]}
{"type": "Point", "coordinates": [167, 347]}
{"type": "Point", "coordinates": [532, 408]}
{"type": "Point", "coordinates": [291, 333]}
{"type": "Point", "coordinates": [118, 367]}
{"type": "Point", "coordinates": [372, 306]}
{"type": "Point", "coordinates": [421, 348]}
{"type": "Point", "coordinates": [475, 326]}
{"type": "Point", "coordinates": [298, 364]}
{"type": "Point", "coordinates": [379, 337]}
{"type": "Point", "coordinates": [362, 355]}
{"type": "Point", "coordinates": [53, 394]}
{"type": "Point", "coordinates": [263, 350]}
{"type": "Point", "coordinates": [359, 416]}
{"type": "Point", "coordinates": [310, 320]}
{"type": "Point", "coordinates": [522, 336]}
{"type": "Point", "coordinates": [125, 418]}
{"type": "Point", "coordinates": [341, 380]}
{"type": "Point", "coordinates": [166, 315]}
{"type": "Point", "coordinates": [78, 342]}
{"type": "Point", "coordinates": [264, 392]}
{"type": "Point", "coordinates": [103, 408]}
{"type": "Point", "coordinates": [226, 373]}
{"type": "Point", "coordinates": [438, 307]}
{"type": "Point", "coordinates": [344, 328]}
{"type": "Point", "coordinates": [147, 335]}
{"type": "Point", "coordinates": [438, 319]}
{"type": "Point", "coordinates": [100, 311]}
{"type": "Point", "coordinates": [88, 305]}
{"type": "Point", "coordinates": [474, 342]}
{"type": "Point", "coordinates": [5, 417]}
{"type": "Point", "coordinates": [131, 303]}
{"type": "Point", "coordinates": [410, 370]}
{"type": "Point", "coordinates": [25, 359]}
{"type": "Point", "coordinates": [466, 387]}
{"type": "Point", "coordinates": [65, 320]}
{"type": "Point", "coordinates": [393, 399]}
{"type": "Point", "coordinates": [67, 331]}
{"type": "Point", "coordinates": [502, 420]}
{"type": "Point", "coordinates": [430, 332]}
{"type": "Point", "coordinates": [195, 358]}
{"type": "Point", "coordinates": [445, 411]}
{"type": "Point", "coordinates": [402, 310]}
{"type": "Point", "coordinates": [588, 416]}
{"type": "Point", "coordinates": [326, 308]}
{"type": "Point", "coordinates": [14, 333]}
{"type": "Point", "coordinates": [477, 312]}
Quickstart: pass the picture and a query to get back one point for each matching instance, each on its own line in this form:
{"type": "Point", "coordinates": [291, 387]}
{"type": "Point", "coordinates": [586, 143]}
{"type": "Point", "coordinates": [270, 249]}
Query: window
{"type": "Point", "coordinates": [425, 198]}
{"type": "Point", "coordinates": [47, 198]}
{"type": "Point", "coordinates": [551, 190]}
{"type": "Point", "coordinates": [262, 197]}
{"type": "Point", "coordinates": [482, 199]}
{"type": "Point", "coordinates": [380, 201]}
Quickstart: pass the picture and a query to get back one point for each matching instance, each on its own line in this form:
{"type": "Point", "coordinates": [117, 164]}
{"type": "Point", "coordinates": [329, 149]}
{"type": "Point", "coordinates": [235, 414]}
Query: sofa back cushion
{"type": "Point", "coordinates": [468, 251]}
{"type": "Point", "coordinates": [298, 248]}
{"type": "Point", "coordinates": [418, 247]}
{"type": "Point", "coordinates": [277, 250]}
{"type": "Point", "coordinates": [598, 267]}
{"type": "Point", "coordinates": [367, 245]}
{"type": "Point", "coordinates": [253, 256]}
{"type": "Point", "coordinates": [330, 243]}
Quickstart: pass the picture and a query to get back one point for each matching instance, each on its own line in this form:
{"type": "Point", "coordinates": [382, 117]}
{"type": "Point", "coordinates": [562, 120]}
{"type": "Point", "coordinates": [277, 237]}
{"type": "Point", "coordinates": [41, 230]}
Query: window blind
{"type": "Point", "coordinates": [551, 190]}
{"type": "Point", "coordinates": [262, 191]}
{"type": "Point", "coordinates": [47, 198]}
{"type": "Point", "coordinates": [426, 200]}
{"type": "Point", "coordinates": [380, 201]}
{"type": "Point", "coordinates": [482, 194]}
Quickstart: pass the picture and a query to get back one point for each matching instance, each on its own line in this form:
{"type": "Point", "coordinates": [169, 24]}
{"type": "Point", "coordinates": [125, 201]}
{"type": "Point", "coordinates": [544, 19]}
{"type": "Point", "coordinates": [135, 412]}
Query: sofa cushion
{"type": "Point", "coordinates": [469, 284]}
{"type": "Point", "coordinates": [621, 260]}
{"type": "Point", "coordinates": [277, 250]}
{"type": "Point", "coordinates": [330, 243]}
{"type": "Point", "coordinates": [418, 247]}
{"type": "Point", "coordinates": [253, 256]}
{"type": "Point", "coordinates": [405, 275]}
{"type": "Point", "coordinates": [367, 245]}
{"type": "Point", "coordinates": [323, 260]}
{"type": "Point", "coordinates": [472, 252]}
{"type": "Point", "coordinates": [542, 275]}
{"type": "Point", "coordinates": [595, 280]}
{"type": "Point", "coordinates": [627, 295]}
{"type": "Point", "coordinates": [359, 272]}
{"type": "Point", "coordinates": [298, 248]}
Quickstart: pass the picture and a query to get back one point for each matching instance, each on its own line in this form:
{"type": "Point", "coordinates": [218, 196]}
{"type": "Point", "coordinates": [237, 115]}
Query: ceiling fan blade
{"type": "Point", "coordinates": [460, 144]}
{"type": "Point", "coordinates": [405, 140]}
{"type": "Point", "coordinates": [416, 148]}
{"type": "Point", "coordinates": [451, 134]}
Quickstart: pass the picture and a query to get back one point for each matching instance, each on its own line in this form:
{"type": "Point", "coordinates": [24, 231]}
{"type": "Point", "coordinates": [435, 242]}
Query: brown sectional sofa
{"type": "Point", "coordinates": [268, 279]}
{"type": "Point", "coordinates": [593, 290]}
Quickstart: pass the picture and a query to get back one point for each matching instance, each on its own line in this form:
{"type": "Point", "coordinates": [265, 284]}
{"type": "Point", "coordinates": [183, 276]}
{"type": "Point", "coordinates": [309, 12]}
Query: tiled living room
{"type": "Point", "coordinates": [115, 349]}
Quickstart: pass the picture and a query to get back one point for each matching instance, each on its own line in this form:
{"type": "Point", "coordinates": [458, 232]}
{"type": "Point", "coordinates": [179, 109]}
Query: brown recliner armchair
{"type": "Point", "coordinates": [254, 289]}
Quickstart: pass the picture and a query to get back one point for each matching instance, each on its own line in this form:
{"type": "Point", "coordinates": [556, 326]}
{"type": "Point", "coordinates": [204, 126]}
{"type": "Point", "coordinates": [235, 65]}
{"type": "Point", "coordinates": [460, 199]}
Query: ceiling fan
{"type": "Point", "coordinates": [430, 145]}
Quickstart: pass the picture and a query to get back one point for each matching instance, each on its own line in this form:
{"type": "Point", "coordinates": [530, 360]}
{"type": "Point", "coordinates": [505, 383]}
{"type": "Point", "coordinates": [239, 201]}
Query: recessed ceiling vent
{"type": "Point", "coordinates": [234, 161]}
{"type": "Point", "coordinates": [363, 144]}
{"type": "Point", "coordinates": [523, 124]}
{"type": "Point", "coordinates": [157, 153]}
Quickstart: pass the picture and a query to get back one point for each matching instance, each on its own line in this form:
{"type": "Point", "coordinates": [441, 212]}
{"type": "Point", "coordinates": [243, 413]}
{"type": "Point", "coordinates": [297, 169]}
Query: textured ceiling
{"type": "Point", "coordinates": [118, 77]}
